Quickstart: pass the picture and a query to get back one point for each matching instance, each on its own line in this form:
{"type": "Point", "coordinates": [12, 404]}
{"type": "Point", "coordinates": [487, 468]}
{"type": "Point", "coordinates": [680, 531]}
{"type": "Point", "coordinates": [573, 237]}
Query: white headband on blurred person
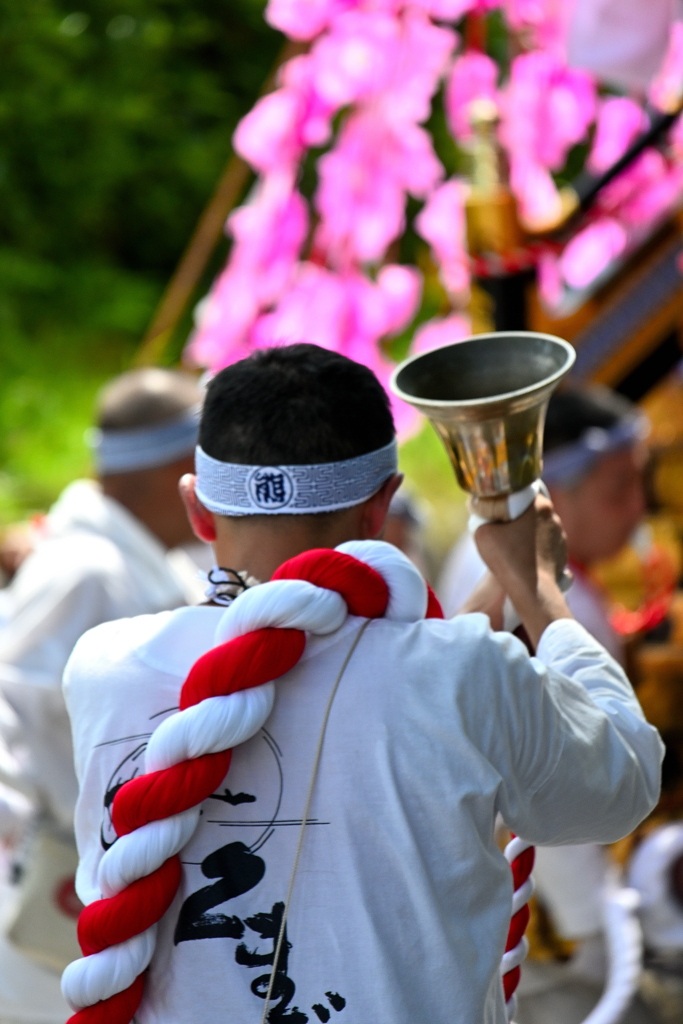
{"type": "Point", "coordinates": [567, 465]}
{"type": "Point", "coordinates": [232, 489]}
{"type": "Point", "coordinates": [124, 451]}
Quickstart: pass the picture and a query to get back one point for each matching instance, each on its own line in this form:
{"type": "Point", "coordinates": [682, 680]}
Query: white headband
{"type": "Point", "coordinates": [567, 465]}
{"type": "Point", "coordinates": [231, 489]}
{"type": "Point", "coordinates": [123, 451]}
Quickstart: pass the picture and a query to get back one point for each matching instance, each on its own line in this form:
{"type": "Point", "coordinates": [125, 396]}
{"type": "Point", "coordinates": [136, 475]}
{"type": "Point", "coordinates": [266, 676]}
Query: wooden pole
{"type": "Point", "coordinates": [194, 260]}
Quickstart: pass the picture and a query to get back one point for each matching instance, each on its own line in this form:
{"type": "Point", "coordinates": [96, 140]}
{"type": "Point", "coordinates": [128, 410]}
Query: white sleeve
{"type": "Point", "coordinates": [578, 762]}
{"type": "Point", "coordinates": [36, 642]}
{"type": "Point", "coordinates": [34, 647]}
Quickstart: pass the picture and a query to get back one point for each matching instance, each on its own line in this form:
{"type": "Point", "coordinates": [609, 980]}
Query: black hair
{"type": "Point", "coordinates": [574, 410]}
{"type": "Point", "coordinates": [294, 405]}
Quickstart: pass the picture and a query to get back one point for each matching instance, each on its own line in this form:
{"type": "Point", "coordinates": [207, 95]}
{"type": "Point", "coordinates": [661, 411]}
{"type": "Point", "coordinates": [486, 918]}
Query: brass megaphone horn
{"type": "Point", "coordinates": [487, 397]}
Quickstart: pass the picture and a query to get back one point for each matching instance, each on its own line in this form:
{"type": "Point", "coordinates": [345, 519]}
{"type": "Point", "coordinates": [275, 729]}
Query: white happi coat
{"type": "Point", "coordinates": [402, 902]}
{"type": "Point", "coordinates": [96, 563]}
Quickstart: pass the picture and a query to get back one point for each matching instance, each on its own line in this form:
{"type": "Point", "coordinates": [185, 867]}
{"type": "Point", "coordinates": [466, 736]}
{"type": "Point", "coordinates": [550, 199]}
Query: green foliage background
{"type": "Point", "coordinates": [115, 124]}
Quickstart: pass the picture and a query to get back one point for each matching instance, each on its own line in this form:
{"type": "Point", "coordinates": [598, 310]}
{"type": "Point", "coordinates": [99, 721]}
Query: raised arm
{"type": "Point", "coordinates": [526, 558]}
{"type": "Point", "coordinates": [578, 760]}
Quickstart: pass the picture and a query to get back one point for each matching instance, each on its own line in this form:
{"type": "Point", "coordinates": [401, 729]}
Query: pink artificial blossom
{"type": "Point", "coordinates": [591, 251]}
{"type": "Point", "coordinates": [346, 313]}
{"type": "Point", "coordinates": [546, 109]}
{"type": "Point", "coordinates": [223, 320]}
{"type": "Point", "coordinates": [407, 420]}
{"type": "Point", "coordinates": [282, 125]}
{"type": "Point", "coordinates": [545, 21]}
{"type": "Point", "coordinates": [439, 332]}
{"type": "Point", "coordinates": [336, 311]}
{"type": "Point", "coordinates": [354, 61]}
{"type": "Point", "coordinates": [390, 67]}
{"type": "Point", "coordinates": [373, 57]}
{"type": "Point", "coordinates": [451, 10]}
{"type": "Point", "coordinates": [362, 185]}
{"type": "Point", "coordinates": [268, 234]}
{"type": "Point", "coordinates": [314, 309]}
{"type": "Point", "coordinates": [359, 198]}
{"type": "Point", "coordinates": [401, 289]}
{"type": "Point", "coordinates": [441, 222]}
{"type": "Point", "coordinates": [268, 136]}
{"type": "Point", "coordinates": [421, 62]}
{"type": "Point", "coordinates": [474, 76]}
{"type": "Point", "coordinates": [387, 306]}
{"type": "Point", "coordinates": [655, 200]}
{"type": "Point", "coordinates": [522, 13]}
{"type": "Point", "coordinates": [666, 88]}
{"type": "Point", "coordinates": [549, 277]}
{"type": "Point", "coordinates": [298, 75]}
{"type": "Point", "coordinates": [646, 168]}
{"type": "Point", "coordinates": [304, 19]}
{"type": "Point", "coordinates": [644, 192]}
{"type": "Point", "coordinates": [535, 191]}
{"type": "Point", "coordinates": [411, 152]}
{"type": "Point", "coordinates": [620, 121]}
{"type": "Point", "coordinates": [385, 59]}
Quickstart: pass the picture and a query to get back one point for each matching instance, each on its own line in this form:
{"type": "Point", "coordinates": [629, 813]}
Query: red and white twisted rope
{"type": "Point", "coordinates": [520, 856]}
{"type": "Point", "coordinates": [226, 698]}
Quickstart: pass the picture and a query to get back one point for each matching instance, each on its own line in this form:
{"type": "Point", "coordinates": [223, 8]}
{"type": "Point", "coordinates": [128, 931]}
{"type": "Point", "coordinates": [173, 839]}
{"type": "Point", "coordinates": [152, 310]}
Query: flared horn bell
{"type": "Point", "coordinates": [487, 397]}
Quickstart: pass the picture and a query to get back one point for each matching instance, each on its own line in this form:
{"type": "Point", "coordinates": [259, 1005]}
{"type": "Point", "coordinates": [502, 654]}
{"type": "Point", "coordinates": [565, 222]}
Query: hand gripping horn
{"type": "Point", "coordinates": [486, 397]}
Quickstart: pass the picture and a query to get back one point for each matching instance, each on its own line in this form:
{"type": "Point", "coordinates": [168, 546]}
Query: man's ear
{"type": "Point", "coordinates": [201, 520]}
{"type": "Point", "coordinates": [374, 510]}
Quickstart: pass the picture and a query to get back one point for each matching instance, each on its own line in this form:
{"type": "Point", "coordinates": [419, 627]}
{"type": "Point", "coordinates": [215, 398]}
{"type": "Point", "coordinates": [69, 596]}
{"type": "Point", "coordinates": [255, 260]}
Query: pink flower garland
{"type": "Point", "coordinates": [382, 63]}
{"type": "Point", "coordinates": [364, 90]}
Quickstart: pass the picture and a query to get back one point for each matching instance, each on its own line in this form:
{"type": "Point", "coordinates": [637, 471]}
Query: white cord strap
{"type": "Point", "coordinates": [307, 807]}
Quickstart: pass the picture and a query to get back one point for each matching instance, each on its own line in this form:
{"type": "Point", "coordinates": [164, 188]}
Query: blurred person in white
{"type": "Point", "coordinates": [594, 460]}
{"type": "Point", "coordinates": [109, 548]}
